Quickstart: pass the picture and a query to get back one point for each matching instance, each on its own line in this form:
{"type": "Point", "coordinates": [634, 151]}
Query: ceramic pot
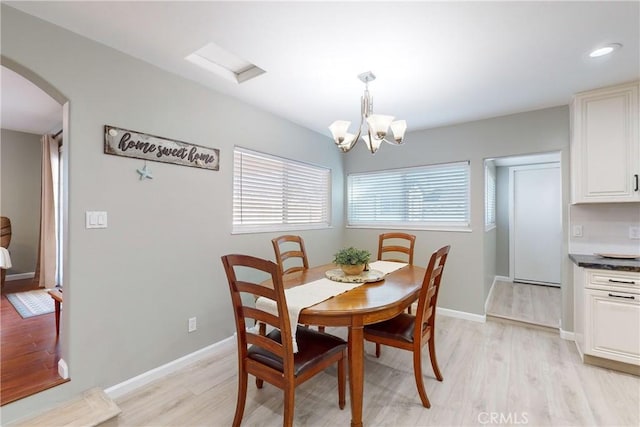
{"type": "Point", "coordinates": [352, 270]}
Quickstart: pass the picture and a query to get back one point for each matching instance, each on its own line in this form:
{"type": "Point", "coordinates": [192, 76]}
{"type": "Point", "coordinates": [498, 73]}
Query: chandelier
{"type": "Point", "coordinates": [374, 128]}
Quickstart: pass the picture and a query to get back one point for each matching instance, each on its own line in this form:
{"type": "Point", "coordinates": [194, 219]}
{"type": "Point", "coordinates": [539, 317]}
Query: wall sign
{"type": "Point", "coordinates": [129, 143]}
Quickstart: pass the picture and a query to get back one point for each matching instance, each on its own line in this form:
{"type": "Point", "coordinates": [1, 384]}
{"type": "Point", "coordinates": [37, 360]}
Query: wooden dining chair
{"type": "Point", "coordinates": [290, 247]}
{"type": "Point", "coordinates": [5, 239]}
{"type": "Point", "coordinates": [395, 244]}
{"type": "Point", "coordinates": [270, 357]}
{"type": "Point", "coordinates": [408, 332]}
{"type": "Point", "coordinates": [388, 243]}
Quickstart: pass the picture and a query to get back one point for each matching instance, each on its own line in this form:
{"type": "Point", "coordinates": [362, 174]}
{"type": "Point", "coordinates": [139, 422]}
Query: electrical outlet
{"type": "Point", "coordinates": [193, 324]}
{"type": "Point", "coordinates": [577, 231]}
{"type": "Point", "coordinates": [634, 232]}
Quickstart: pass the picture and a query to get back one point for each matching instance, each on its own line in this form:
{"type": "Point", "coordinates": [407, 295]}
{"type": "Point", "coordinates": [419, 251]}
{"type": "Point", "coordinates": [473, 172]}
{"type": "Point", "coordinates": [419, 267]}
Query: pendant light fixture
{"type": "Point", "coordinates": [374, 128]}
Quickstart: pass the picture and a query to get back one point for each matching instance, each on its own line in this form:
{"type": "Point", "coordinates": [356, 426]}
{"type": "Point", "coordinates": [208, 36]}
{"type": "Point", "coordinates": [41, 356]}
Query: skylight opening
{"type": "Point", "coordinates": [225, 64]}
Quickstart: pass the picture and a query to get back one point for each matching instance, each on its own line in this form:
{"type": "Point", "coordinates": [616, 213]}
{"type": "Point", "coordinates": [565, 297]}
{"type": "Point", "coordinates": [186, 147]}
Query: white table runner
{"type": "Point", "coordinates": [312, 293]}
{"type": "Point", "coordinates": [387, 266]}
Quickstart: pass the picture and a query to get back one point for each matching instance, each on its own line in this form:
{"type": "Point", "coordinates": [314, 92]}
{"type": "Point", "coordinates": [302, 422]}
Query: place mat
{"type": "Point", "coordinates": [31, 303]}
{"type": "Point", "coordinates": [337, 275]}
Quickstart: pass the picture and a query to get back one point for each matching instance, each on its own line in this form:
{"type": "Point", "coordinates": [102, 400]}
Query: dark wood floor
{"type": "Point", "coordinates": [29, 349]}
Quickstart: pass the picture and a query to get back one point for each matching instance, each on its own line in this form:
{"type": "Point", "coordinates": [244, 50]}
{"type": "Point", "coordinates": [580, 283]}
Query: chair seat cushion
{"type": "Point", "coordinates": [313, 347]}
{"type": "Point", "coordinates": [397, 328]}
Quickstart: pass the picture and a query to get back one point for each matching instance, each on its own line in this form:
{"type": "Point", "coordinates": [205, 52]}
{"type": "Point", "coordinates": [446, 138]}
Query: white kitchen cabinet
{"type": "Point", "coordinates": [605, 145]}
{"type": "Point", "coordinates": [611, 315]}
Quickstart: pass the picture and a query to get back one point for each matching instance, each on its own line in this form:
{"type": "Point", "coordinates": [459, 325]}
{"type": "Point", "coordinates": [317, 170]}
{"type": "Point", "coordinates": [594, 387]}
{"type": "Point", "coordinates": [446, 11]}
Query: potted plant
{"type": "Point", "coordinates": [351, 260]}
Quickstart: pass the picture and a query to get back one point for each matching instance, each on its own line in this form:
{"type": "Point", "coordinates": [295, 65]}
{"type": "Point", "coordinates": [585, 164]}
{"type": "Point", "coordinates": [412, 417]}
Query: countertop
{"type": "Point", "coordinates": [598, 262]}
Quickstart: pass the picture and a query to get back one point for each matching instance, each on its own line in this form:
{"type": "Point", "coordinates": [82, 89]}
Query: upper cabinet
{"type": "Point", "coordinates": [605, 145]}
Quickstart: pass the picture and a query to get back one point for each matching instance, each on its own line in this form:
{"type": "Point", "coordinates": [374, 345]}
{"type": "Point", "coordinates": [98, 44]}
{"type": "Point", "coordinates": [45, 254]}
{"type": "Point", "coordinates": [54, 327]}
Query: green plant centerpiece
{"type": "Point", "coordinates": [352, 261]}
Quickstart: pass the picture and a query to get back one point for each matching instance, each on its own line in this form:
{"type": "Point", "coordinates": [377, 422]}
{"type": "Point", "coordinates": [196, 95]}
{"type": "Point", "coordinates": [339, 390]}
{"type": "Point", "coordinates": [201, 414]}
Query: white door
{"type": "Point", "coordinates": [536, 224]}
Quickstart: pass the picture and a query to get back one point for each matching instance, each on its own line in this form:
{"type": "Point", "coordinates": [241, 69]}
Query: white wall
{"type": "Point", "coordinates": [130, 288]}
{"type": "Point", "coordinates": [605, 228]}
{"type": "Point", "coordinates": [20, 160]}
{"type": "Point", "coordinates": [465, 283]}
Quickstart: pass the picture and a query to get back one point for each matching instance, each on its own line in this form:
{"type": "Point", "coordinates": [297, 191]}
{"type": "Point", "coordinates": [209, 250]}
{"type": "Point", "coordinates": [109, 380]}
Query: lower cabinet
{"type": "Point", "coordinates": [612, 325]}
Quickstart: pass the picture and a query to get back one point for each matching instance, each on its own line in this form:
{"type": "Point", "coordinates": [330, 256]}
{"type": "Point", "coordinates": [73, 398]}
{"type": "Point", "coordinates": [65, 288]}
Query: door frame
{"type": "Point", "coordinates": [512, 170]}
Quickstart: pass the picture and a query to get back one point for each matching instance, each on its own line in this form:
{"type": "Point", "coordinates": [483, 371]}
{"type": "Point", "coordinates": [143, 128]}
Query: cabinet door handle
{"type": "Point", "coordinates": [622, 296]}
{"type": "Point", "coordinates": [636, 178]}
{"type": "Point", "coordinates": [628, 282]}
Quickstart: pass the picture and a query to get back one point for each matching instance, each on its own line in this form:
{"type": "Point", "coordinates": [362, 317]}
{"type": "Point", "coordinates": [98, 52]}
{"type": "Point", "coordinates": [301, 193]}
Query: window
{"type": "Point", "coordinates": [489, 195]}
{"type": "Point", "coordinates": [275, 194]}
{"type": "Point", "coordinates": [418, 197]}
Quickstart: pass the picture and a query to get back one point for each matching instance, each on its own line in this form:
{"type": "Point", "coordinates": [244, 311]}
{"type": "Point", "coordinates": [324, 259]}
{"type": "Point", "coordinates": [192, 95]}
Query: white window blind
{"type": "Point", "coordinates": [490, 197]}
{"type": "Point", "coordinates": [272, 193]}
{"type": "Point", "coordinates": [424, 196]}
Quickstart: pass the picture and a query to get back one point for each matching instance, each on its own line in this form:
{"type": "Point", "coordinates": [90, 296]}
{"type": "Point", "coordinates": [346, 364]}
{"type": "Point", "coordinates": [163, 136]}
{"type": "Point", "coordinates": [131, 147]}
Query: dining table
{"type": "Point", "coordinates": [368, 303]}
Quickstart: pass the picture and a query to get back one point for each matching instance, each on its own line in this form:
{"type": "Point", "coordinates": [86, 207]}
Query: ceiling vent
{"type": "Point", "coordinates": [225, 64]}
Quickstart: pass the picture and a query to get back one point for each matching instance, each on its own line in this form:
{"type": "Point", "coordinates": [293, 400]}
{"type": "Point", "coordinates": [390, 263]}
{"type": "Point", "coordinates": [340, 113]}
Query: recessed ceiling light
{"type": "Point", "coordinates": [605, 50]}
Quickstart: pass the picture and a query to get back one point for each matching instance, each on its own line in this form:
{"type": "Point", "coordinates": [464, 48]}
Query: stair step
{"type": "Point", "coordinates": [90, 409]}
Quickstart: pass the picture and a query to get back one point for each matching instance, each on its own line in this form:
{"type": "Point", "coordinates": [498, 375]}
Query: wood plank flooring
{"type": "Point", "coordinates": [30, 350]}
{"type": "Point", "coordinates": [539, 305]}
{"type": "Point", "coordinates": [526, 375]}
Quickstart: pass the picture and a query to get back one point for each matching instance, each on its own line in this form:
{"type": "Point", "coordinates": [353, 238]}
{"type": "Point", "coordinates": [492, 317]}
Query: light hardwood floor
{"type": "Point", "coordinates": [525, 374]}
{"type": "Point", "coordinates": [535, 304]}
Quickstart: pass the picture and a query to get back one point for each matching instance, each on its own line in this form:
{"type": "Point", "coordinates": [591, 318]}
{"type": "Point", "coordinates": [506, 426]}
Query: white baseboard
{"type": "Point", "coordinates": [461, 315]}
{"type": "Point", "coordinates": [145, 378]}
{"type": "Point", "coordinates": [20, 276]}
{"type": "Point", "coordinates": [503, 278]}
{"type": "Point", "coordinates": [566, 335]}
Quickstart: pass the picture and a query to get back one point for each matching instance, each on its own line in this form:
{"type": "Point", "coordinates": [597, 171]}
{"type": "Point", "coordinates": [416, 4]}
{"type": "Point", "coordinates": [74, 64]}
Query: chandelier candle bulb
{"type": "Point", "coordinates": [377, 125]}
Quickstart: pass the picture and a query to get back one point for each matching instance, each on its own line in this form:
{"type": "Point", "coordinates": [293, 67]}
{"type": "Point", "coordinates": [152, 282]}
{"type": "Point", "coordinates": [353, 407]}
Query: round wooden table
{"type": "Point", "coordinates": [366, 304]}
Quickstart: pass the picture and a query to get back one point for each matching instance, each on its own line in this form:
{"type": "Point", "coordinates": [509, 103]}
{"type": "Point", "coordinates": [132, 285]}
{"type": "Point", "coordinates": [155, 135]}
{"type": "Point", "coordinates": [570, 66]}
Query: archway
{"type": "Point", "coordinates": [51, 378]}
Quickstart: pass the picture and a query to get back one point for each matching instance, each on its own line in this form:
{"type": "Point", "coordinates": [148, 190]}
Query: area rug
{"type": "Point", "coordinates": [32, 303]}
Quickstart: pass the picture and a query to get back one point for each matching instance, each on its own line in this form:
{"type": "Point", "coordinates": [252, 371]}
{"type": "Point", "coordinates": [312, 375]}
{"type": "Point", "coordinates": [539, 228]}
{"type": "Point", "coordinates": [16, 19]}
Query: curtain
{"type": "Point", "coordinates": [46, 268]}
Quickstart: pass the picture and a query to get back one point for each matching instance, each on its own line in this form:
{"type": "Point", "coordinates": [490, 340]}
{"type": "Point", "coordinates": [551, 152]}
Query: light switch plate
{"type": "Point", "coordinates": [96, 219]}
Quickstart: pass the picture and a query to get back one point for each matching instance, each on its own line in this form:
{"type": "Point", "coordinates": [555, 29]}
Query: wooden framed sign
{"type": "Point", "coordinates": [129, 143]}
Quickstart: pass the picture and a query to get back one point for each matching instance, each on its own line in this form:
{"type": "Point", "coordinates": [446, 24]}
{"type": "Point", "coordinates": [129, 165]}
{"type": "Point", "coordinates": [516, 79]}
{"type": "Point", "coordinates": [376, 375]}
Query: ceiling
{"type": "Point", "coordinates": [436, 63]}
{"type": "Point", "coordinates": [26, 107]}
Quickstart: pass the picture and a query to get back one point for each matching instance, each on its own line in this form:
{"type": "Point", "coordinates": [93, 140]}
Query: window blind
{"type": "Point", "coordinates": [490, 197]}
{"type": "Point", "coordinates": [425, 196]}
{"type": "Point", "coordinates": [272, 193]}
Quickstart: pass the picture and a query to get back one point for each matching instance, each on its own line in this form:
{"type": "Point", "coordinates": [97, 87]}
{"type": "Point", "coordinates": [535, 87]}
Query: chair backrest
{"type": "Point", "coordinates": [388, 242]}
{"type": "Point", "coordinates": [289, 247]}
{"type": "Point", "coordinates": [253, 267]}
{"type": "Point", "coordinates": [428, 298]}
{"type": "Point", "coordinates": [5, 232]}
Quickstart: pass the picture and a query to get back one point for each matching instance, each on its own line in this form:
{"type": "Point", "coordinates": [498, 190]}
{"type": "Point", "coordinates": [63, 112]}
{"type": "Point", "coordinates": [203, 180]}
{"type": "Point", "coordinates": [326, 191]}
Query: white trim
{"type": "Point", "coordinates": [486, 301]}
{"type": "Point", "coordinates": [161, 371]}
{"type": "Point", "coordinates": [567, 335]}
{"type": "Point", "coordinates": [511, 219]}
{"type": "Point", "coordinates": [503, 278]}
{"type": "Point", "coordinates": [481, 318]}
{"type": "Point", "coordinates": [20, 276]}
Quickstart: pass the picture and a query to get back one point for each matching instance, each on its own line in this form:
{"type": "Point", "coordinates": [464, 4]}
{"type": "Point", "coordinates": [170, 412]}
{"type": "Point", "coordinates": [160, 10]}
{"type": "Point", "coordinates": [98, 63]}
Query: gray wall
{"type": "Point", "coordinates": [130, 288]}
{"type": "Point", "coordinates": [20, 158]}
{"type": "Point", "coordinates": [502, 221]}
{"type": "Point", "coordinates": [466, 276]}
